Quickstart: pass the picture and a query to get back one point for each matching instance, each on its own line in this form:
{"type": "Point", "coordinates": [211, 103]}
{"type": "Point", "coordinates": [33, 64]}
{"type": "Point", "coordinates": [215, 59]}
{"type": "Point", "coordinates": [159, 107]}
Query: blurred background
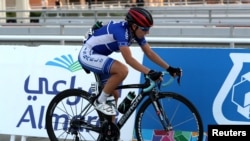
{"type": "Point", "coordinates": [172, 18]}
{"type": "Point", "coordinates": [177, 23]}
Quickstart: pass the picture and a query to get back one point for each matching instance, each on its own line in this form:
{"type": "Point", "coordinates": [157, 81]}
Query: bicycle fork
{"type": "Point", "coordinates": [162, 115]}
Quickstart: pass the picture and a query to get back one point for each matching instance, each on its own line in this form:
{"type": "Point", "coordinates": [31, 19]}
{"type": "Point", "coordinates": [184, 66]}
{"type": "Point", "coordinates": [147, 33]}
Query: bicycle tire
{"type": "Point", "coordinates": [182, 114]}
{"type": "Point", "coordinates": [64, 111]}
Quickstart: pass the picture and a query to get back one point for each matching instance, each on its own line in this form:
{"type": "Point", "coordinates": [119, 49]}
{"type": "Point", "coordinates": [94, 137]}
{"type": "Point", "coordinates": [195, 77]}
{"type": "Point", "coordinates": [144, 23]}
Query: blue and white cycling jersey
{"type": "Point", "coordinates": [94, 55]}
{"type": "Point", "coordinates": [111, 37]}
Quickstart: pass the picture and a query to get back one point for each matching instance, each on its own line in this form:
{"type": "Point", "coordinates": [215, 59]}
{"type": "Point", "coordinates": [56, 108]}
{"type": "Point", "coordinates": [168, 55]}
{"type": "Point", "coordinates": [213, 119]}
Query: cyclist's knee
{"type": "Point", "coordinates": [119, 69]}
{"type": "Point", "coordinates": [123, 72]}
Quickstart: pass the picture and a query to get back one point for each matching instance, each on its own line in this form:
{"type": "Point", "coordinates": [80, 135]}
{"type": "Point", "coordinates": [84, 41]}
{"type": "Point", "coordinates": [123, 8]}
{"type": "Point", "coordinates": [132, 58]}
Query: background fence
{"type": "Point", "coordinates": [179, 22]}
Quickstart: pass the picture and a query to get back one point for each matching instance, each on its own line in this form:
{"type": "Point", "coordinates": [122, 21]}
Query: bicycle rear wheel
{"type": "Point", "coordinates": [182, 119]}
{"type": "Point", "coordinates": [71, 116]}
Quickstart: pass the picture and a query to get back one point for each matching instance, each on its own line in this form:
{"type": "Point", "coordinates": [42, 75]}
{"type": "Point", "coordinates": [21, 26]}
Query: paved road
{"type": "Point", "coordinates": [19, 138]}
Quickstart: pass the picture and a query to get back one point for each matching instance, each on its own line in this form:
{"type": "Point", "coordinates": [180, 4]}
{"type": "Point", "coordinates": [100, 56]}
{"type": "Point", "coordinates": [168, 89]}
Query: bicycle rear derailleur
{"type": "Point", "coordinates": [110, 131]}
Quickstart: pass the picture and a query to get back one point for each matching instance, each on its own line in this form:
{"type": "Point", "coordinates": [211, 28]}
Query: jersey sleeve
{"type": "Point", "coordinates": [141, 41]}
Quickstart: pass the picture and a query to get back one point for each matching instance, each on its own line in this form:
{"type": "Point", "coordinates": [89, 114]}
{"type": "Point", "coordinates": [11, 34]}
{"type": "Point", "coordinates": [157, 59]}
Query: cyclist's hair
{"type": "Point", "coordinates": [140, 17]}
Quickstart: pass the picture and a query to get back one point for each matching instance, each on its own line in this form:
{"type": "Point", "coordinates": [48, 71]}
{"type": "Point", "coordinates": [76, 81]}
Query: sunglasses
{"type": "Point", "coordinates": [144, 28]}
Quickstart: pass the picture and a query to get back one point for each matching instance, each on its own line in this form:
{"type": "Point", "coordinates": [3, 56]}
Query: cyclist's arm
{"type": "Point", "coordinates": [130, 60]}
{"type": "Point", "coordinates": [154, 57]}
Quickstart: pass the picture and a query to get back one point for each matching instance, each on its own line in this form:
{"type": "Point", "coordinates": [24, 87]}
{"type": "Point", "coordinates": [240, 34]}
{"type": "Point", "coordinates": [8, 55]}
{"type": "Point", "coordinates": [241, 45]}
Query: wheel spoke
{"type": "Point", "coordinates": [183, 119]}
{"type": "Point", "coordinates": [71, 117]}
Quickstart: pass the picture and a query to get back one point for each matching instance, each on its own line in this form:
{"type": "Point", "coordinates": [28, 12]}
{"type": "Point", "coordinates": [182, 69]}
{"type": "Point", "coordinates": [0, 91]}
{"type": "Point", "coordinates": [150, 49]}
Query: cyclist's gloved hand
{"type": "Point", "coordinates": [175, 72]}
{"type": "Point", "coordinates": [154, 75]}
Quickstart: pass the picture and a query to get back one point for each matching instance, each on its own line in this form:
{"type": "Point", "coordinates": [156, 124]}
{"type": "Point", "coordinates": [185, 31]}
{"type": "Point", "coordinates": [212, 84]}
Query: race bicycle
{"type": "Point", "coordinates": [71, 115]}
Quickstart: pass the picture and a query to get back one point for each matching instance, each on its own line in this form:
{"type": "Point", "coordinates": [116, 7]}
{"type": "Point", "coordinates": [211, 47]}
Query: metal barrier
{"type": "Point", "coordinates": [196, 14]}
{"type": "Point", "coordinates": [170, 21]}
{"type": "Point", "coordinates": [230, 41]}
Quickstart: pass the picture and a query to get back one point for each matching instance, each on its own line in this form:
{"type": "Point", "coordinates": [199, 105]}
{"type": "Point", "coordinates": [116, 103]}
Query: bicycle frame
{"type": "Point", "coordinates": [147, 89]}
{"type": "Point", "coordinates": [137, 100]}
{"type": "Point", "coordinates": [149, 97]}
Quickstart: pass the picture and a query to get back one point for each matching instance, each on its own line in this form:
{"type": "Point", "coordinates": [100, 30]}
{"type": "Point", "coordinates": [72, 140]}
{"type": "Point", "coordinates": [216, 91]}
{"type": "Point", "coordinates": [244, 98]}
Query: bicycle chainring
{"type": "Point", "coordinates": [110, 131]}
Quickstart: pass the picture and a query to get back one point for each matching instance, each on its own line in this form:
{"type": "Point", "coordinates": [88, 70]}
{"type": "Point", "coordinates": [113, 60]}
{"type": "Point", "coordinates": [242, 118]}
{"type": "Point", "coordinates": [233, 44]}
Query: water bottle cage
{"type": "Point", "coordinates": [125, 104]}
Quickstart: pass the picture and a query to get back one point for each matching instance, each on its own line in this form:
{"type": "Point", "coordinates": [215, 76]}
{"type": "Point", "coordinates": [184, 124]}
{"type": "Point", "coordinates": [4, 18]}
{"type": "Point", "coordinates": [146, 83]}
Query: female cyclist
{"type": "Point", "coordinates": [117, 36]}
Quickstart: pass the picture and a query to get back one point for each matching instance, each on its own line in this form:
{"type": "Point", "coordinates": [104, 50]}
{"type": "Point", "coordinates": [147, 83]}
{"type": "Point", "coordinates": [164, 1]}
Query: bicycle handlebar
{"type": "Point", "coordinates": [153, 84]}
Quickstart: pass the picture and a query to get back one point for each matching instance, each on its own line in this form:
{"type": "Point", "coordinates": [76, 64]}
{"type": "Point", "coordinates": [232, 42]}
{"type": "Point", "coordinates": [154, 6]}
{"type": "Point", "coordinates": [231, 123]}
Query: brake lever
{"type": "Point", "coordinates": [179, 74]}
{"type": "Point", "coordinates": [159, 85]}
{"type": "Point", "coordinates": [179, 80]}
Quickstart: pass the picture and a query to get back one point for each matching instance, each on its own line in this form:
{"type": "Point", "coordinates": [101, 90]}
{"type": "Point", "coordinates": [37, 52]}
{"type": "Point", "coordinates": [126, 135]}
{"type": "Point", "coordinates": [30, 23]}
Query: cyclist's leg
{"type": "Point", "coordinates": [115, 93]}
{"type": "Point", "coordinates": [117, 73]}
{"type": "Point", "coordinates": [104, 65]}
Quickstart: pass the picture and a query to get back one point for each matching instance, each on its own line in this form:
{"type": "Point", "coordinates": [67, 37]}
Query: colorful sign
{"type": "Point", "coordinates": [215, 80]}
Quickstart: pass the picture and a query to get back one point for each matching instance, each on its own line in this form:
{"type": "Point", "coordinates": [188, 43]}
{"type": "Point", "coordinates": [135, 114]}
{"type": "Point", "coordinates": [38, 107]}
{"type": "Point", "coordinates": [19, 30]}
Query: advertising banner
{"type": "Point", "coordinates": [32, 76]}
{"type": "Point", "coordinates": [215, 80]}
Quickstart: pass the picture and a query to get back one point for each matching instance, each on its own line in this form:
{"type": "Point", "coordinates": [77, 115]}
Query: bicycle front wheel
{"type": "Point", "coordinates": [179, 120]}
{"type": "Point", "coordinates": [72, 117]}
